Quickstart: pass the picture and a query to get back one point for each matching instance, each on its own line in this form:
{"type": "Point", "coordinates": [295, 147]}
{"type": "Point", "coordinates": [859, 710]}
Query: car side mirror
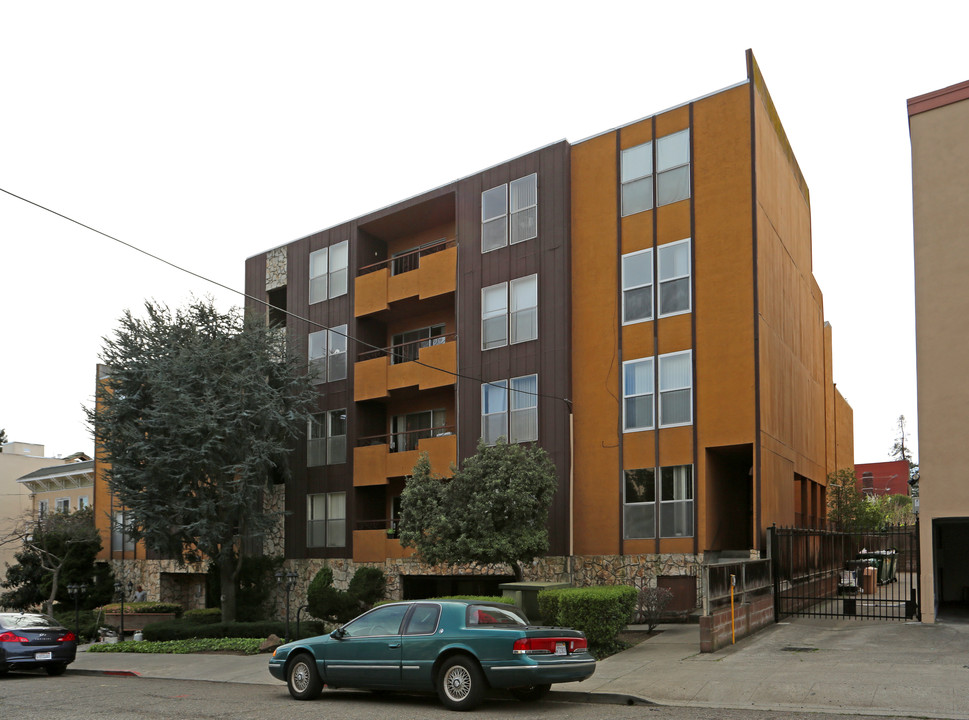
{"type": "Point", "coordinates": [338, 634]}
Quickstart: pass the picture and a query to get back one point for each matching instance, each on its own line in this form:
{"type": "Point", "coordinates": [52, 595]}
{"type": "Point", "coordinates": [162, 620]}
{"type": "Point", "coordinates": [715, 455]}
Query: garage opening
{"type": "Point", "coordinates": [730, 515]}
{"type": "Point", "coordinates": [416, 587]}
{"type": "Point", "coordinates": [950, 547]}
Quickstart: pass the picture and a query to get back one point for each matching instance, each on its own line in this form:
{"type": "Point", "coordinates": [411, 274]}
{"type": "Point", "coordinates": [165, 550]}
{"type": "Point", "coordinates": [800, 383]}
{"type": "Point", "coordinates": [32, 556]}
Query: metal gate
{"type": "Point", "coordinates": [861, 575]}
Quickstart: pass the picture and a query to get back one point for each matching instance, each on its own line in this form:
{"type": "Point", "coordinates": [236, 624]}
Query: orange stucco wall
{"type": "Point", "coordinates": [742, 289]}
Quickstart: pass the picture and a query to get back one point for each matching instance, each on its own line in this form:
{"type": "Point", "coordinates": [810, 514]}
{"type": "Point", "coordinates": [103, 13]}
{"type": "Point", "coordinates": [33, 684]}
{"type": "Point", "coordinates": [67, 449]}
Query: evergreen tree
{"type": "Point", "coordinates": [196, 417]}
{"type": "Point", "coordinates": [493, 510]}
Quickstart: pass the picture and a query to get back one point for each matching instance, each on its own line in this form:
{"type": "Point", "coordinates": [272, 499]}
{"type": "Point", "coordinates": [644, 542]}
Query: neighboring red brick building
{"type": "Point", "coordinates": [883, 478]}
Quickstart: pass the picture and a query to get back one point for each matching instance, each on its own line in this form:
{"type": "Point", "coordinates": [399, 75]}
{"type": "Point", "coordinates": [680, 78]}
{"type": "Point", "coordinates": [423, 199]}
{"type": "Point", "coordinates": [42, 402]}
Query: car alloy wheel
{"type": "Point", "coordinates": [302, 679]}
{"type": "Point", "coordinates": [460, 683]}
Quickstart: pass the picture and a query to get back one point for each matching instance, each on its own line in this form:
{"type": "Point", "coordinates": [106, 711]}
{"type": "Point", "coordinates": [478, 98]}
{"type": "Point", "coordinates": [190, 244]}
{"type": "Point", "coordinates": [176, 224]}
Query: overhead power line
{"type": "Point", "coordinates": [288, 313]}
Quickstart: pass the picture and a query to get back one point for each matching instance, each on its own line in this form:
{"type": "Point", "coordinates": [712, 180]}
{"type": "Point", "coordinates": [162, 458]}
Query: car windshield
{"type": "Point", "coordinates": [11, 620]}
{"type": "Point", "coordinates": [493, 615]}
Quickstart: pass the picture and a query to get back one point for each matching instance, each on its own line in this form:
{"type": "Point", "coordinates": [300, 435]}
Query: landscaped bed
{"type": "Point", "coordinates": [242, 646]}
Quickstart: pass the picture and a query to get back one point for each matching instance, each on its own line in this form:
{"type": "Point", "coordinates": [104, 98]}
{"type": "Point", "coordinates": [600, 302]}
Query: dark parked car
{"type": "Point", "coordinates": [32, 640]}
{"type": "Point", "coordinates": [456, 648]}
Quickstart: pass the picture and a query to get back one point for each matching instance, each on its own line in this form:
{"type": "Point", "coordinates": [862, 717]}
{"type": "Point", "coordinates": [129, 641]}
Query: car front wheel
{"type": "Point", "coordinates": [302, 679]}
{"type": "Point", "coordinates": [460, 684]}
{"type": "Point", "coordinates": [531, 693]}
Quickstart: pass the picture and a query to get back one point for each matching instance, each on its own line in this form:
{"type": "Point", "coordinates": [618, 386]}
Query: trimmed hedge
{"type": "Point", "coordinates": [182, 630]}
{"type": "Point", "coordinates": [600, 612]}
{"type": "Point", "coordinates": [203, 615]}
{"type": "Point", "coordinates": [143, 607]}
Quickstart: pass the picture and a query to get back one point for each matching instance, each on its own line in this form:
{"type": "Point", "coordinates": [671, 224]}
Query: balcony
{"type": "Point", "coordinates": [427, 272]}
{"type": "Point", "coordinates": [378, 458]}
{"type": "Point", "coordinates": [373, 543]}
{"type": "Point", "coordinates": [424, 364]}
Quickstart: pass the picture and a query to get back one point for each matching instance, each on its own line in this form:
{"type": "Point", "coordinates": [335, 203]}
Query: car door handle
{"type": "Point", "coordinates": [394, 645]}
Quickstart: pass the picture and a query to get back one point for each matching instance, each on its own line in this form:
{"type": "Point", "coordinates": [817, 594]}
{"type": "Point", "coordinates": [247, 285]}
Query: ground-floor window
{"type": "Point", "coordinates": [326, 520]}
{"type": "Point", "coordinates": [674, 498]}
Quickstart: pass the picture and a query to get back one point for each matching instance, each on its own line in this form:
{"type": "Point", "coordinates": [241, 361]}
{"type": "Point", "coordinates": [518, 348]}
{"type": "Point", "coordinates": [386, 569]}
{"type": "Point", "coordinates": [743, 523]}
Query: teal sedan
{"type": "Point", "coordinates": [456, 648]}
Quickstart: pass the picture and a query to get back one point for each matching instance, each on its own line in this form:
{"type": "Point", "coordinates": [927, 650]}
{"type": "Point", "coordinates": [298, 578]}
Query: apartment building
{"type": "Point", "coordinates": [940, 159]}
{"type": "Point", "coordinates": [641, 304]}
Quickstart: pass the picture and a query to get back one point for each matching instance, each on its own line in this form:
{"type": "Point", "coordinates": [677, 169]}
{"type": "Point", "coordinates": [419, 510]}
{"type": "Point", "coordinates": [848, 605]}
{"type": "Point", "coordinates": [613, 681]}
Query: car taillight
{"type": "Point", "coordinates": [546, 646]}
{"type": "Point", "coordinates": [10, 637]}
{"type": "Point", "coordinates": [67, 637]}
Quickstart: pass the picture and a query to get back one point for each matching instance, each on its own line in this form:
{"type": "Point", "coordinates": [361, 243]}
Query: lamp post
{"type": "Point", "coordinates": [119, 589]}
{"type": "Point", "coordinates": [291, 578]}
{"type": "Point", "coordinates": [76, 591]}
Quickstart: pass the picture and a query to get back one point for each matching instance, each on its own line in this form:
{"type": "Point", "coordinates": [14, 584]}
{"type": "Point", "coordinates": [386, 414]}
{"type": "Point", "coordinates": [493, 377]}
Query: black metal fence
{"type": "Point", "coordinates": [861, 575]}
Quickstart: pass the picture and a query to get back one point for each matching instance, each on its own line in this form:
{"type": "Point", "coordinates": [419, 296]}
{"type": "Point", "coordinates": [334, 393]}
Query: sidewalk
{"type": "Point", "coordinates": [878, 668]}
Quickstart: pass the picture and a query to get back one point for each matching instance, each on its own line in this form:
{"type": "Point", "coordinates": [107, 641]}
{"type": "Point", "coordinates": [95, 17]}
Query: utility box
{"type": "Point", "coordinates": [525, 595]}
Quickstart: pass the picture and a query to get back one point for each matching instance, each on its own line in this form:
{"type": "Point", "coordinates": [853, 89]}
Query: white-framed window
{"type": "Point", "coordinates": [328, 272]}
{"type": "Point", "coordinates": [637, 286]}
{"type": "Point", "coordinates": [673, 168]}
{"type": "Point", "coordinates": [514, 418]}
{"type": "Point", "coordinates": [638, 395]}
{"type": "Point", "coordinates": [62, 505]}
{"type": "Point", "coordinates": [524, 309]}
{"type": "Point", "coordinates": [327, 354]}
{"type": "Point", "coordinates": [524, 409]}
{"type": "Point", "coordinates": [408, 430]}
{"type": "Point", "coordinates": [494, 316]}
{"type": "Point", "coordinates": [43, 508]}
{"type": "Point", "coordinates": [674, 496]}
{"type": "Point", "coordinates": [494, 411]}
{"type": "Point", "coordinates": [673, 268]}
{"type": "Point", "coordinates": [636, 176]}
{"type": "Point", "coordinates": [523, 201]}
{"type": "Point", "coordinates": [676, 501]}
{"type": "Point", "coordinates": [521, 297]}
{"type": "Point", "coordinates": [670, 179]}
{"type": "Point", "coordinates": [83, 502]}
{"type": "Point", "coordinates": [639, 503]}
{"type": "Point", "coordinates": [326, 520]}
{"type": "Point", "coordinates": [326, 438]}
{"type": "Point", "coordinates": [676, 389]}
{"type": "Point", "coordinates": [121, 539]}
{"type": "Point", "coordinates": [514, 204]}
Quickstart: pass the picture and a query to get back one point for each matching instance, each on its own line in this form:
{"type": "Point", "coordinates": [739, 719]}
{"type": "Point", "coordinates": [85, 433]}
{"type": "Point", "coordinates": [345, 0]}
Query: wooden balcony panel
{"type": "Point", "coordinates": [375, 546]}
{"type": "Point", "coordinates": [438, 273]}
{"type": "Point", "coordinates": [370, 378]}
{"type": "Point", "coordinates": [370, 292]}
{"type": "Point", "coordinates": [406, 285]}
{"type": "Point", "coordinates": [443, 356]}
{"type": "Point", "coordinates": [370, 465]}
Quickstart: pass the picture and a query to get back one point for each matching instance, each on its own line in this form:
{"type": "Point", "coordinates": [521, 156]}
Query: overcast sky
{"type": "Point", "coordinates": [207, 132]}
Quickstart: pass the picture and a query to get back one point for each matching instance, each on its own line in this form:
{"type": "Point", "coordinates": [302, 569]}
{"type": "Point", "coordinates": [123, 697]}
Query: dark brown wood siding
{"type": "Point", "coordinates": [550, 355]}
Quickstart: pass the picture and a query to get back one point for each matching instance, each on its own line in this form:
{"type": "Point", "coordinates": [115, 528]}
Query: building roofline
{"type": "Point", "coordinates": [79, 468]}
{"type": "Point", "coordinates": [938, 98]}
{"type": "Point", "coordinates": [661, 112]}
{"type": "Point", "coordinates": [426, 193]}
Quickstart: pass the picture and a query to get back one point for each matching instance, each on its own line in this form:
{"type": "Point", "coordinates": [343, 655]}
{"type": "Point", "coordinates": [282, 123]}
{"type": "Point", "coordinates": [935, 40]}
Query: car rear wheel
{"type": "Point", "coordinates": [54, 670]}
{"type": "Point", "coordinates": [531, 693]}
{"type": "Point", "coordinates": [302, 679]}
{"type": "Point", "coordinates": [460, 684]}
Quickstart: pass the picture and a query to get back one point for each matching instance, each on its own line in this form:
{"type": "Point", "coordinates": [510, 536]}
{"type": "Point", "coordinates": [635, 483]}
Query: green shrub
{"type": "Point", "coordinates": [367, 586]}
{"type": "Point", "coordinates": [247, 646]}
{"type": "Point", "coordinates": [143, 607]}
{"type": "Point", "coordinates": [203, 615]}
{"type": "Point", "coordinates": [600, 612]}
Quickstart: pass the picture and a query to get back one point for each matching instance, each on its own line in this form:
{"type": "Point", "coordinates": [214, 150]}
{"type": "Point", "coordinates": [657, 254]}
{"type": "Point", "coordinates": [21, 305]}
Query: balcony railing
{"type": "Point", "coordinates": [411, 260]}
{"type": "Point", "coordinates": [408, 351]}
{"type": "Point", "coordinates": [407, 440]}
